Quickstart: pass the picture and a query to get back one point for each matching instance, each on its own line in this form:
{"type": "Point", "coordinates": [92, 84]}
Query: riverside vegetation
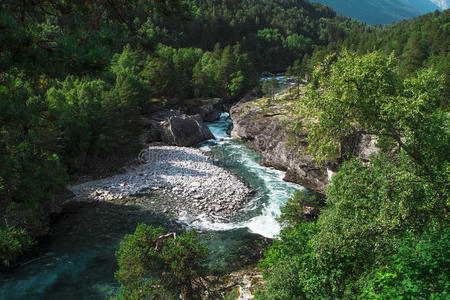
{"type": "Point", "coordinates": [76, 77]}
{"type": "Point", "coordinates": [383, 233]}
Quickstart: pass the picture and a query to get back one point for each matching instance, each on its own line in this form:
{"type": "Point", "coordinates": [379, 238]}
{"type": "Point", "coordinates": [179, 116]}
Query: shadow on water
{"type": "Point", "coordinates": [76, 260]}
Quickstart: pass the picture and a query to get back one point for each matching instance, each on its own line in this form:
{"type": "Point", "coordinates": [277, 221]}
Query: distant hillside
{"type": "Point", "coordinates": [381, 11]}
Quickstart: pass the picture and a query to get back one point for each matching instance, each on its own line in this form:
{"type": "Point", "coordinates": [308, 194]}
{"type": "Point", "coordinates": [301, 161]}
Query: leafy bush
{"type": "Point", "coordinates": [13, 241]}
{"type": "Point", "coordinates": [419, 270]}
{"type": "Point", "coordinates": [155, 266]}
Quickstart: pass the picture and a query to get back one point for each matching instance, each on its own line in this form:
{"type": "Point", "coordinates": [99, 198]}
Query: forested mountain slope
{"type": "Point", "coordinates": [271, 32]}
{"type": "Point", "coordinates": [76, 76]}
{"type": "Point", "coordinates": [422, 6]}
{"type": "Point", "coordinates": [416, 43]}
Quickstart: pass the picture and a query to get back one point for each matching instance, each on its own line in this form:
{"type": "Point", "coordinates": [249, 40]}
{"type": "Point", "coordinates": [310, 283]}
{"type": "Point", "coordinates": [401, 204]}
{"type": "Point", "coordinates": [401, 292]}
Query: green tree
{"type": "Point", "coordinates": [296, 71]}
{"type": "Point", "coordinates": [367, 94]}
{"type": "Point", "coordinates": [419, 270]}
{"type": "Point", "coordinates": [383, 230]}
{"type": "Point", "coordinates": [13, 241]}
{"type": "Point", "coordinates": [158, 266]}
{"type": "Point", "coordinates": [267, 88]}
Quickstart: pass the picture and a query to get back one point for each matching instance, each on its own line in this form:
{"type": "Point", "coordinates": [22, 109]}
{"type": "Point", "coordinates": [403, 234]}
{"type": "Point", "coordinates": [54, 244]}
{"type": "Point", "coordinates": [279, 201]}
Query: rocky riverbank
{"type": "Point", "coordinates": [190, 180]}
{"type": "Point", "coordinates": [267, 127]}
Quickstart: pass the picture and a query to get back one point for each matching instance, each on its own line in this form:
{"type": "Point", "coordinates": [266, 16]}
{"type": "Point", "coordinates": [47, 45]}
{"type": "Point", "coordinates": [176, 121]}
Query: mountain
{"type": "Point", "coordinates": [443, 4]}
{"type": "Point", "coordinates": [381, 11]}
{"type": "Point", "coordinates": [422, 6]}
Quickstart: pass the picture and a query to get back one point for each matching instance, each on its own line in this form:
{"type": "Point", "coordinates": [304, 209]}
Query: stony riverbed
{"type": "Point", "coordinates": [191, 182]}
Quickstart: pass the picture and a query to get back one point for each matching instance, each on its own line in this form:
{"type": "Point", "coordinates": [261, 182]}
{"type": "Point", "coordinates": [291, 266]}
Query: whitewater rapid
{"type": "Point", "coordinates": [260, 215]}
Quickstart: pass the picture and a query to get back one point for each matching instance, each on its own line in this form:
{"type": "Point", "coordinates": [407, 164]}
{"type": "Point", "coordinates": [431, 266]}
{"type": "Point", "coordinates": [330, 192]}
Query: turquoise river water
{"type": "Point", "coordinates": [76, 260]}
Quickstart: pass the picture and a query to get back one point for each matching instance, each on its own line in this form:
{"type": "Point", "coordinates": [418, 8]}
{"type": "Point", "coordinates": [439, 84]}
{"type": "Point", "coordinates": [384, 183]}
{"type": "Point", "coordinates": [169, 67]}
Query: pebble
{"type": "Point", "coordinates": [186, 175]}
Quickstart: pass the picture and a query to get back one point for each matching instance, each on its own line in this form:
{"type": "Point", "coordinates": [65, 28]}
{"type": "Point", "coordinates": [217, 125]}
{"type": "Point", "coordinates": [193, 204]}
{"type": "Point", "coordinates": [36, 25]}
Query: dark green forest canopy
{"type": "Point", "coordinates": [81, 36]}
{"type": "Point", "coordinates": [416, 43]}
{"type": "Point", "coordinates": [273, 33]}
{"type": "Point", "coordinates": [76, 77]}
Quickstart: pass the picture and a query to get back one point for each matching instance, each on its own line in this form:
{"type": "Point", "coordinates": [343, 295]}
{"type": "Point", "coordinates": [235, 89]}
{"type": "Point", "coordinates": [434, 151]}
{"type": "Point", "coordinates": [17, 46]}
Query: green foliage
{"type": "Point", "coordinates": [13, 241]}
{"type": "Point", "coordinates": [384, 231]}
{"type": "Point", "coordinates": [225, 72]}
{"type": "Point", "coordinates": [273, 33]}
{"type": "Point", "coordinates": [292, 211]}
{"type": "Point", "coordinates": [269, 88]}
{"type": "Point", "coordinates": [94, 118]}
{"type": "Point", "coordinates": [416, 43]}
{"type": "Point", "coordinates": [288, 260]}
{"type": "Point", "coordinates": [157, 267]}
{"type": "Point", "coordinates": [269, 35]}
{"type": "Point", "coordinates": [367, 94]}
{"type": "Point", "coordinates": [29, 168]}
{"type": "Point", "coordinates": [419, 270]}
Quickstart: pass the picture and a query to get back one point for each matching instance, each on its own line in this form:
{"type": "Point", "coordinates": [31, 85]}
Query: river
{"type": "Point", "coordinates": [76, 260]}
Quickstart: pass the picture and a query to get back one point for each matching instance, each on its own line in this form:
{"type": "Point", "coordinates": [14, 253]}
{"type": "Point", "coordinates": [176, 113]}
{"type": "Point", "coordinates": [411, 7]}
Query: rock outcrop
{"type": "Point", "coordinates": [266, 131]}
{"type": "Point", "coordinates": [266, 127]}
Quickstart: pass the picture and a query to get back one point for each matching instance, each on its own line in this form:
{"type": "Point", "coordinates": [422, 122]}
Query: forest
{"type": "Point", "coordinates": [77, 76]}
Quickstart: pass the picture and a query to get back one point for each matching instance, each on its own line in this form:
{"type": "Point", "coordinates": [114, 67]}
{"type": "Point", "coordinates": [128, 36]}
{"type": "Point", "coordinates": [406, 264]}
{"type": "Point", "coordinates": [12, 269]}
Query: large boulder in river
{"type": "Point", "coordinates": [185, 131]}
{"type": "Point", "coordinates": [175, 129]}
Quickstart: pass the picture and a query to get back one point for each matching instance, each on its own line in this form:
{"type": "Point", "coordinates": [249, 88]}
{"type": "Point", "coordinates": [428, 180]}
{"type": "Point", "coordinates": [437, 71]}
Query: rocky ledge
{"type": "Point", "coordinates": [266, 127]}
{"type": "Point", "coordinates": [192, 181]}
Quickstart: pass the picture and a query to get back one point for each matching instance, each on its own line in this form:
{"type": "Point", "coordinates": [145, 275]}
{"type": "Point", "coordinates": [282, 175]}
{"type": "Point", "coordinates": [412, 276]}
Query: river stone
{"type": "Point", "coordinates": [208, 112]}
{"type": "Point", "coordinates": [185, 131]}
{"type": "Point", "coordinates": [186, 176]}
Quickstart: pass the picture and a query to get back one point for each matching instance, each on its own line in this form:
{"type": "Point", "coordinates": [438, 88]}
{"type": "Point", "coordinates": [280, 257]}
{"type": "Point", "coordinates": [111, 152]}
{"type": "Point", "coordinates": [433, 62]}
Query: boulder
{"type": "Point", "coordinates": [152, 131]}
{"type": "Point", "coordinates": [174, 128]}
{"type": "Point", "coordinates": [185, 131]}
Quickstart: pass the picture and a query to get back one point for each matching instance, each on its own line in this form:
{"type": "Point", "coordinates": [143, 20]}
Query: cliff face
{"type": "Point", "coordinates": [266, 129]}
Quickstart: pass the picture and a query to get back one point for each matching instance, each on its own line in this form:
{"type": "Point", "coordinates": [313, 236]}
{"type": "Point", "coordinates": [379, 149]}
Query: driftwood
{"type": "Point", "coordinates": [163, 238]}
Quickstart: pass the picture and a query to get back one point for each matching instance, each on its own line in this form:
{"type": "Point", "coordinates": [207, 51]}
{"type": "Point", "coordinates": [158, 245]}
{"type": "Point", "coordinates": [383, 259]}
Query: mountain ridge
{"type": "Point", "coordinates": [381, 11]}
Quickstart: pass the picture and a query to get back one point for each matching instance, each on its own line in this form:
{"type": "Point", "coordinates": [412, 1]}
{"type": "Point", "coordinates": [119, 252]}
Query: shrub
{"type": "Point", "coordinates": [13, 241]}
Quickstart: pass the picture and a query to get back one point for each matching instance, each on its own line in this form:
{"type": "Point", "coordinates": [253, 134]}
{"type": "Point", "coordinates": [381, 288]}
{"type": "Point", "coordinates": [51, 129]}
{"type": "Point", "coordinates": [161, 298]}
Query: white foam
{"type": "Point", "coordinates": [278, 193]}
